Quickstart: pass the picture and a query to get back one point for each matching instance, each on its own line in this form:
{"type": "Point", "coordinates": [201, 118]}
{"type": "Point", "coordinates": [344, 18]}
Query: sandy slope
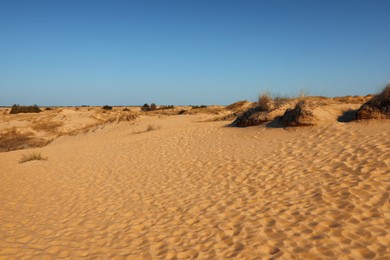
{"type": "Point", "coordinates": [193, 189]}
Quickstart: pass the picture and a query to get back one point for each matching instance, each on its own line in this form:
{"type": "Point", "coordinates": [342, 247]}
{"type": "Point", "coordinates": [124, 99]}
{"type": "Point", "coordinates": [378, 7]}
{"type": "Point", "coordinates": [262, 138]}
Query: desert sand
{"type": "Point", "coordinates": [193, 188]}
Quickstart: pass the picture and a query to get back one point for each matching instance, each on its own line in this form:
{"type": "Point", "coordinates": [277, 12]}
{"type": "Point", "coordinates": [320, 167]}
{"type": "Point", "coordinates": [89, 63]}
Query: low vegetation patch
{"type": "Point", "coordinates": [16, 109]}
{"type": "Point", "coordinates": [31, 157]}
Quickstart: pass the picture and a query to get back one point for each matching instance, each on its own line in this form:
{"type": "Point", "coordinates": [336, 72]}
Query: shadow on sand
{"type": "Point", "coordinates": [347, 116]}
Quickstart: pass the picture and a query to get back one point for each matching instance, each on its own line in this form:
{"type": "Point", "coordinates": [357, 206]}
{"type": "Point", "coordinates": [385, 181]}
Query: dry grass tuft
{"type": "Point", "coordinates": [31, 157]}
{"type": "Point", "coordinates": [265, 102]}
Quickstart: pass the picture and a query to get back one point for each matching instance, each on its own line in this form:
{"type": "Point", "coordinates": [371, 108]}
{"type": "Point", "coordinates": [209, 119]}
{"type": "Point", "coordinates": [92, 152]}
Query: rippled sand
{"type": "Point", "coordinates": [193, 189]}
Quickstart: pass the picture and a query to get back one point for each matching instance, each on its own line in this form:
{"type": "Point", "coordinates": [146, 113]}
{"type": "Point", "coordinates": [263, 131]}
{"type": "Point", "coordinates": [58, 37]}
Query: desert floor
{"type": "Point", "coordinates": [196, 189]}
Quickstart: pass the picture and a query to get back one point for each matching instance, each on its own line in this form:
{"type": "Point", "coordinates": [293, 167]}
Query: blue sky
{"type": "Point", "coordinates": [189, 52]}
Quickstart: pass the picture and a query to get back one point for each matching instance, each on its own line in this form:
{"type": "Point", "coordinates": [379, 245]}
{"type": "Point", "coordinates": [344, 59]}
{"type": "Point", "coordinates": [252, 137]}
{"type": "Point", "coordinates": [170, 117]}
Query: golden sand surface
{"type": "Point", "coordinates": [195, 189]}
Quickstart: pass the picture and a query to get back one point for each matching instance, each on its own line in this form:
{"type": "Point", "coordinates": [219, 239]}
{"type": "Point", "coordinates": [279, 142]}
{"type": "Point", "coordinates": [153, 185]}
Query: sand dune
{"type": "Point", "coordinates": [193, 189]}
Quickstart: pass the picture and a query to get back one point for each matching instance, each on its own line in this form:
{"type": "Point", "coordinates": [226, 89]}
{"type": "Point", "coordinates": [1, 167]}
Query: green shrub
{"type": "Point", "coordinates": [16, 109]}
{"type": "Point", "coordinates": [197, 107]}
{"type": "Point", "coordinates": [106, 107]}
{"type": "Point", "coordinates": [145, 107]}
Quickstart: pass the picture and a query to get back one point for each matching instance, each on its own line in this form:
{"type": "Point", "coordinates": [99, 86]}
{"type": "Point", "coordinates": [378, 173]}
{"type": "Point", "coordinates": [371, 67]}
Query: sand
{"type": "Point", "coordinates": [195, 189]}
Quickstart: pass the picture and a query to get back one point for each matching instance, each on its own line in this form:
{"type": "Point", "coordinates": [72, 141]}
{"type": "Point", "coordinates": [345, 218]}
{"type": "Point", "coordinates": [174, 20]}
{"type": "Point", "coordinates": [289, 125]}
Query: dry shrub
{"type": "Point", "coordinates": [14, 140]}
{"type": "Point", "coordinates": [300, 115]}
{"type": "Point", "coordinates": [31, 157]}
{"type": "Point", "coordinates": [378, 107]}
{"type": "Point", "coordinates": [16, 109]}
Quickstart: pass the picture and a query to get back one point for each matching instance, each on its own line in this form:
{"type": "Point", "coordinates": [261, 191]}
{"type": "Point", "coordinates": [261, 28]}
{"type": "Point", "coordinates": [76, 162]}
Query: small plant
{"type": "Point", "coordinates": [48, 108]}
{"type": "Point", "coordinates": [265, 102]}
{"type": "Point", "coordinates": [16, 109]}
{"type": "Point", "coordinates": [31, 157]}
{"type": "Point", "coordinates": [152, 127]}
{"type": "Point", "coordinates": [125, 109]}
{"type": "Point", "coordinates": [107, 107]}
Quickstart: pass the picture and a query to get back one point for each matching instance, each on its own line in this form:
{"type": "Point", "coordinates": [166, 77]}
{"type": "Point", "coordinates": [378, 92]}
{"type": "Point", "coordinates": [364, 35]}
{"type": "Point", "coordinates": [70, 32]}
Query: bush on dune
{"type": "Point", "coordinates": [376, 108]}
{"type": "Point", "coordinates": [300, 115]}
{"type": "Point", "coordinates": [259, 114]}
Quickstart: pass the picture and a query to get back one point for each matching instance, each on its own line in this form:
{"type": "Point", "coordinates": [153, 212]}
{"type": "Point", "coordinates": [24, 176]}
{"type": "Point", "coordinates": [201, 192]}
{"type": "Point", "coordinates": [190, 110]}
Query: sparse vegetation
{"type": "Point", "coordinates": [47, 126]}
{"type": "Point", "coordinates": [13, 140]}
{"type": "Point", "coordinates": [16, 109]}
{"type": "Point", "coordinates": [31, 157]}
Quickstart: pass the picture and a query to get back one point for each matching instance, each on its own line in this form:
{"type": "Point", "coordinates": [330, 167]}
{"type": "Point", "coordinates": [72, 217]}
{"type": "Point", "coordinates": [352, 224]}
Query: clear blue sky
{"type": "Point", "coordinates": [63, 52]}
